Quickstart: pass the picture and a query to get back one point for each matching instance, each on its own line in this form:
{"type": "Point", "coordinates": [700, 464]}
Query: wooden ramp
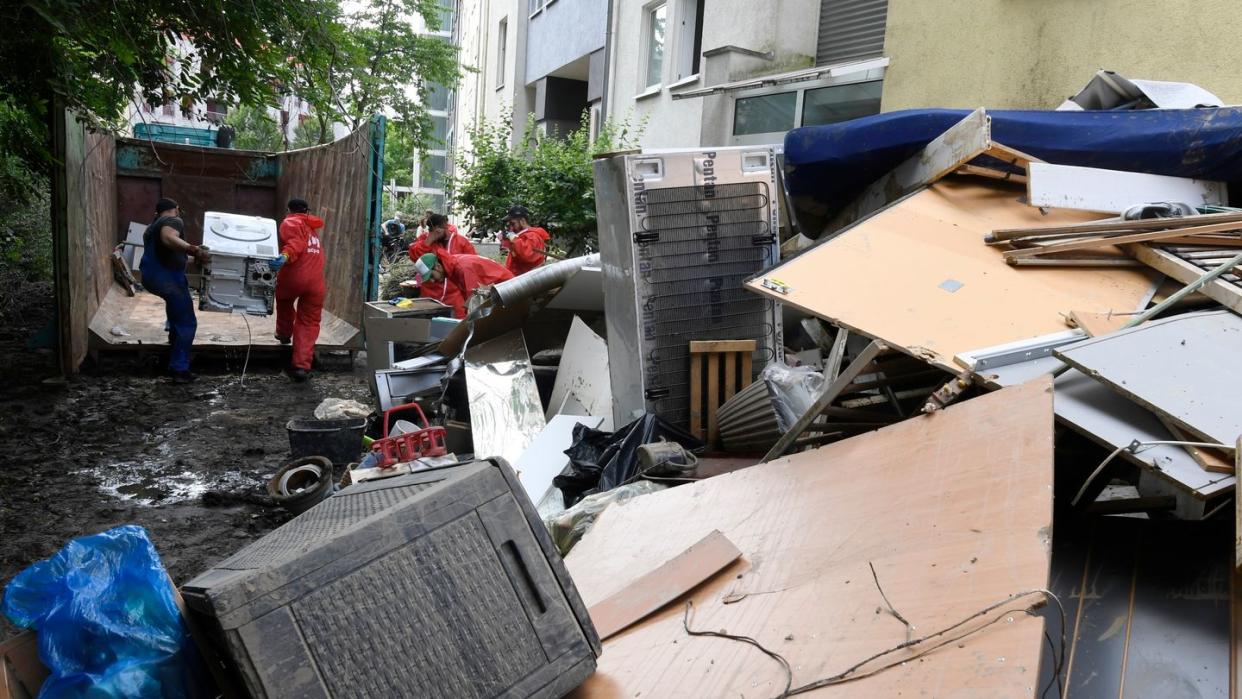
{"type": "Point", "coordinates": [133, 323]}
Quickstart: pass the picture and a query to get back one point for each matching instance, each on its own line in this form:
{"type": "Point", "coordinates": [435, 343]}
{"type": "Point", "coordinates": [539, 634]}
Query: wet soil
{"type": "Point", "coordinates": [120, 444]}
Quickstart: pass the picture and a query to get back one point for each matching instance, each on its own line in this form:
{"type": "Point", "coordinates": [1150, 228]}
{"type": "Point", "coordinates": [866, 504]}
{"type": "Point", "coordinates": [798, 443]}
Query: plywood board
{"type": "Point", "coordinates": [142, 318]}
{"type": "Point", "coordinates": [663, 585]}
{"type": "Point", "coordinates": [545, 458]}
{"type": "Point", "coordinates": [1113, 191]}
{"type": "Point", "coordinates": [1097, 324]}
{"type": "Point", "coordinates": [1183, 368]}
{"type": "Point", "coordinates": [953, 510]}
{"type": "Point", "coordinates": [583, 373]}
{"type": "Point", "coordinates": [918, 276]}
{"type": "Point", "coordinates": [505, 413]}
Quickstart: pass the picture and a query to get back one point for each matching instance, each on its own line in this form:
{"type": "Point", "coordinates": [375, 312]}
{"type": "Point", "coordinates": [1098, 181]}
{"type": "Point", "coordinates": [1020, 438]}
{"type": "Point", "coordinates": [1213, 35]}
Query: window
{"type": "Point", "coordinates": [439, 132]}
{"type": "Point", "coordinates": [828, 105]}
{"type": "Point", "coordinates": [536, 5]}
{"type": "Point", "coordinates": [431, 174]}
{"type": "Point", "coordinates": [437, 97]}
{"type": "Point", "coordinates": [502, 46]}
{"type": "Point", "coordinates": [764, 114]}
{"type": "Point", "coordinates": [446, 20]}
{"type": "Point", "coordinates": [689, 38]}
{"type": "Point", "coordinates": [655, 21]}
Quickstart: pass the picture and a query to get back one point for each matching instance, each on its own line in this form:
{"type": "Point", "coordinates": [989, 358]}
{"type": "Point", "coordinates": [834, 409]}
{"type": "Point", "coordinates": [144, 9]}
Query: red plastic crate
{"type": "Point", "coordinates": [429, 441]}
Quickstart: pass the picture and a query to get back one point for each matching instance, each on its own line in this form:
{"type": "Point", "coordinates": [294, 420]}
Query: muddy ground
{"type": "Point", "coordinates": [119, 444]}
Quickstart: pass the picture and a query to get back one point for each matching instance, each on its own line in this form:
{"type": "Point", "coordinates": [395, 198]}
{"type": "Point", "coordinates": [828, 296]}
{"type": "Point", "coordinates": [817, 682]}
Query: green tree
{"type": "Point", "coordinates": [255, 129]}
{"type": "Point", "coordinates": [399, 154]}
{"type": "Point", "coordinates": [552, 177]}
{"type": "Point", "coordinates": [307, 134]}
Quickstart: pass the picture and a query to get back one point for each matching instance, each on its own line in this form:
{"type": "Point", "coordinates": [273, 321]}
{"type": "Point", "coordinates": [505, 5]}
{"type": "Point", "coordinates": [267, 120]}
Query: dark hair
{"type": "Point", "coordinates": [298, 206]}
{"type": "Point", "coordinates": [165, 204]}
{"type": "Point", "coordinates": [435, 220]}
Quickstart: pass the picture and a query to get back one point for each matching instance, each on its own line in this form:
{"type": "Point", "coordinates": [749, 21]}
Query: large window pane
{"type": "Point", "coordinates": [655, 44]}
{"type": "Point", "coordinates": [828, 105]}
{"type": "Point", "coordinates": [766, 114]}
{"type": "Point", "coordinates": [431, 174]}
{"type": "Point", "coordinates": [439, 132]}
{"type": "Point", "coordinates": [437, 97]}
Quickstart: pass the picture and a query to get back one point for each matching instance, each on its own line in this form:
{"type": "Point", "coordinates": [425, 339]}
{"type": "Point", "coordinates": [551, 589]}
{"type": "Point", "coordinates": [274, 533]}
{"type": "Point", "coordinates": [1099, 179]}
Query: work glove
{"type": "Point", "coordinates": [277, 263]}
{"type": "Point", "coordinates": [200, 253]}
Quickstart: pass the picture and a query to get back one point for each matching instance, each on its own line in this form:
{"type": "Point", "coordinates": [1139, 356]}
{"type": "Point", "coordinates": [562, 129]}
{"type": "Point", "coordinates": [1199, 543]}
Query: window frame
{"type": "Point", "coordinates": [872, 75]}
{"type": "Point", "coordinates": [502, 50]}
{"type": "Point", "coordinates": [687, 62]}
{"type": "Point", "coordinates": [648, 37]}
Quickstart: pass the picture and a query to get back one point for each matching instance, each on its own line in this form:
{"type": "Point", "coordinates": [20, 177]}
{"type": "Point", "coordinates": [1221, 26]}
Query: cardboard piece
{"type": "Point", "coordinates": [545, 458]}
{"type": "Point", "coordinates": [1180, 367]}
{"type": "Point", "coordinates": [663, 585]}
{"type": "Point", "coordinates": [1114, 191]}
{"type": "Point", "coordinates": [919, 277]}
{"type": "Point", "coordinates": [953, 509]}
{"type": "Point", "coordinates": [583, 374]}
{"type": "Point", "coordinates": [21, 671]}
{"type": "Point", "coordinates": [505, 412]}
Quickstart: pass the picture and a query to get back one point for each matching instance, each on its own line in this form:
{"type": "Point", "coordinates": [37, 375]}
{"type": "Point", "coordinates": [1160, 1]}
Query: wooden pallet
{"type": "Point", "coordinates": [722, 367]}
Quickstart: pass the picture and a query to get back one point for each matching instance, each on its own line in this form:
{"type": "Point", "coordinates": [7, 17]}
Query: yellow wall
{"type": "Point", "coordinates": [1036, 53]}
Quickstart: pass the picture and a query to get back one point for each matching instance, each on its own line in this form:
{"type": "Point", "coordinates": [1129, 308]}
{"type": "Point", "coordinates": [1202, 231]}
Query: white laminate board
{"type": "Point", "coordinates": [1113, 191]}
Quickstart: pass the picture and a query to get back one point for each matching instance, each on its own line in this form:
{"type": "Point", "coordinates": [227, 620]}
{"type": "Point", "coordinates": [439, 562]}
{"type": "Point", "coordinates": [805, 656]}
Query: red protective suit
{"type": "Point", "coordinates": [457, 244]}
{"type": "Point", "coordinates": [469, 272]}
{"type": "Point", "coordinates": [525, 250]}
{"type": "Point", "coordinates": [300, 288]}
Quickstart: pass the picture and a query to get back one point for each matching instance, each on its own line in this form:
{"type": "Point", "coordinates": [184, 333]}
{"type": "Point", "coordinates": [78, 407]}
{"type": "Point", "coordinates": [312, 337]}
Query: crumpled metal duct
{"type": "Point", "coordinates": [540, 280]}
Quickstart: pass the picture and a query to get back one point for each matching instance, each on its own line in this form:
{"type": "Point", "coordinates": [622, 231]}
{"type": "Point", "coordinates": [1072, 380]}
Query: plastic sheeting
{"type": "Point", "coordinates": [828, 166]}
{"type": "Point", "coordinates": [793, 390]}
{"type": "Point", "coordinates": [107, 618]}
{"type": "Point", "coordinates": [568, 527]}
{"type": "Point", "coordinates": [604, 460]}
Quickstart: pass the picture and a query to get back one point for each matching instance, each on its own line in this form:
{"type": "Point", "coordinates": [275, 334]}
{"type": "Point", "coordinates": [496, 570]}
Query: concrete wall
{"type": "Point", "coordinates": [787, 28]}
{"type": "Point", "coordinates": [1036, 53]}
{"type": "Point", "coordinates": [563, 32]}
{"type": "Point", "coordinates": [480, 94]}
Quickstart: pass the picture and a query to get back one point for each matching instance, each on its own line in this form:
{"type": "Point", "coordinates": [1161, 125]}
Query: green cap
{"type": "Point", "coordinates": [426, 263]}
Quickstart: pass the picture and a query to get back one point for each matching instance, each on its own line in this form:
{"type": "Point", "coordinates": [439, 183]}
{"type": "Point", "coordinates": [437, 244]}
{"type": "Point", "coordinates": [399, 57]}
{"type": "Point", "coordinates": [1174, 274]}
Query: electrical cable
{"type": "Point", "coordinates": [249, 342]}
{"type": "Point", "coordinates": [1134, 448]}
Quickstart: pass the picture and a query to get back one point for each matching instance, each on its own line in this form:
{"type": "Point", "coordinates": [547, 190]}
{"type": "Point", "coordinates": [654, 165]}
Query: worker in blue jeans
{"type": "Point", "coordinates": [164, 257]}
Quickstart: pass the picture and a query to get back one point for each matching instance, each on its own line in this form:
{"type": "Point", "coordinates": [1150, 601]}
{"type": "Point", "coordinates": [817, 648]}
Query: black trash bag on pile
{"type": "Point", "coordinates": [600, 461]}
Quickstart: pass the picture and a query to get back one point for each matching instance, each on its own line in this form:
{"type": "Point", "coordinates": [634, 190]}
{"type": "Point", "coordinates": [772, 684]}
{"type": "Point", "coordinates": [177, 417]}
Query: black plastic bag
{"type": "Point", "coordinates": [600, 461]}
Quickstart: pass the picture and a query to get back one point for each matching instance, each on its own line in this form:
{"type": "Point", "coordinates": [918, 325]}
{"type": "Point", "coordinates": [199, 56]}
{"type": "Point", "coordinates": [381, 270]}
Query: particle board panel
{"type": "Point", "coordinates": [953, 509]}
{"type": "Point", "coordinates": [1113, 191]}
{"type": "Point", "coordinates": [142, 318]}
{"type": "Point", "coordinates": [505, 412]}
{"type": "Point", "coordinates": [918, 276]}
{"type": "Point", "coordinates": [1182, 368]}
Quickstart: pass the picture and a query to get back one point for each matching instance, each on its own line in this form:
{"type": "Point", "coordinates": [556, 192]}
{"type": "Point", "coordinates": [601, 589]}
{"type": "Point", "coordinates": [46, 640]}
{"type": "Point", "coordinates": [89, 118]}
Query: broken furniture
{"type": "Point", "coordinates": [679, 233]}
{"type": "Point", "coordinates": [238, 278]}
{"type": "Point", "coordinates": [837, 550]}
{"type": "Point", "coordinates": [442, 583]}
{"type": "Point", "coordinates": [582, 385]}
{"type": "Point", "coordinates": [383, 324]}
{"type": "Point", "coordinates": [718, 370]}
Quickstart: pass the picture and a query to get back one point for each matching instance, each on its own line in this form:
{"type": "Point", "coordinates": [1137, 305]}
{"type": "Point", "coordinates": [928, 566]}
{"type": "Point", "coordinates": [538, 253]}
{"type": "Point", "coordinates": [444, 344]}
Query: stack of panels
{"type": "Point", "coordinates": [696, 247]}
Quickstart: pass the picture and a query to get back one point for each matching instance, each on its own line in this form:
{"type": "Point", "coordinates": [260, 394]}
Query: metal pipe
{"type": "Point", "coordinates": [539, 280]}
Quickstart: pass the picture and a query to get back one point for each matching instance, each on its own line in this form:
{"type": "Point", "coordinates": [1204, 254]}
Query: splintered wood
{"type": "Point", "coordinates": [919, 276]}
{"type": "Point", "coordinates": [953, 510]}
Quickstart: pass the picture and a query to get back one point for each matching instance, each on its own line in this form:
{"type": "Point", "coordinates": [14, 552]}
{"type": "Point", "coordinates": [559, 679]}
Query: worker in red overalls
{"type": "Point", "coordinates": [440, 237]}
{"type": "Point", "coordinates": [525, 243]}
{"type": "Point", "coordinates": [300, 288]}
{"type": "Point", "coordinates": [463, 273]}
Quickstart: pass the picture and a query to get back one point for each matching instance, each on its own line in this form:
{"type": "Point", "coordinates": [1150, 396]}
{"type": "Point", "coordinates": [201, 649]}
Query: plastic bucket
{"type": "Point", "coordinates": [339, 441]}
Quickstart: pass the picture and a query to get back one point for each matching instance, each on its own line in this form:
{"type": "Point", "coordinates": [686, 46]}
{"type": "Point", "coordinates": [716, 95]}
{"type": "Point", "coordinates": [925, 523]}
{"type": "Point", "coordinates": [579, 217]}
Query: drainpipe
{"type": "Point", "coordinates": [607, 97]}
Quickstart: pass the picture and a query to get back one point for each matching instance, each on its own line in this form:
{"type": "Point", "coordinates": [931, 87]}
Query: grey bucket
{"type": "Point", "coordinates": [339, 440]}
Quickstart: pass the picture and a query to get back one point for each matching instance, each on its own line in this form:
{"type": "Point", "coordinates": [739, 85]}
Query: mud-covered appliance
{"type": "Point", "coordinates": [238, 277]}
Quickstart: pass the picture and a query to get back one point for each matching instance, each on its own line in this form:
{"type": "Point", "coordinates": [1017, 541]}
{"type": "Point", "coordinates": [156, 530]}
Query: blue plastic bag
{"type": "Point", "coordinates": [107, 619]}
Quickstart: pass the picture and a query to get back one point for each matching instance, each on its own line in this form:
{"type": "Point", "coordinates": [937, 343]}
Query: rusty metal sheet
{"type": "Point", "coordinates": [505, 412]}
{"type": "Point", "coordinates": [953, 510]}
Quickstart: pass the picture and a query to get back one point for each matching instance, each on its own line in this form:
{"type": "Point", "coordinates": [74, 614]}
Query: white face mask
{"type": "Point", "coordinates": [423, 270]}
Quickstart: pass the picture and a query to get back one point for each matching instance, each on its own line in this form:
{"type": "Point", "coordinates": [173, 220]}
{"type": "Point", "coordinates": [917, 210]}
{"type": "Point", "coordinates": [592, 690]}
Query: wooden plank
{"type": "Point", "coordinates": [701, 346]}
{"type": "Point", "coordinates": [1227, 294]}
{"type": "Point", "coordinates": [825, 398]}
{"type": "Point", "coordinates": [1209, 459]}
{"type": "Point", "coordinates": [1237, 537]}
{"type": "Point", "coordinates": [980, 171]}
{"type": "Point", "coordinates": [1054, 261]}
{"type": "Point", "coordinates": [713, 395]}
{"type": "Point", "coordinates": [1112, 225]}
{"type": "Point", "coordinates": [1113, 191]}
{"type": "Point", "coordinates": [696, 395]}
{"type": "Point", "coordinates": [672, 579]}
{"type": "Point", "coordinates": [748, 374]}
{"type": "Point", "coordinates": [811, 527]}
{"type": "Point", "coordinates": [961, 143]}
{"type": "Point", "coordinates": [954, 293]}
{"type": "Point", "coordinates": [1096, 243]}
{"type": "Point", "coordinates": [730, 377]}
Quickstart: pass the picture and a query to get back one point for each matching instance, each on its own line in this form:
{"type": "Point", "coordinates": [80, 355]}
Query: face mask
{"type": "Point", "coordinates": [423, 270]}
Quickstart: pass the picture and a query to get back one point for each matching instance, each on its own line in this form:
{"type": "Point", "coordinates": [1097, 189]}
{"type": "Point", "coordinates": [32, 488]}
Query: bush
{"type": "Point", "coordinates": [25, 244]}
{"type": "Point", "coordinates": [552, 177]}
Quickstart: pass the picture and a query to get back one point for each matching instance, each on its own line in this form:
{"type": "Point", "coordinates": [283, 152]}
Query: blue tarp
{"type": "Point", "coordinates": [828, 166]}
